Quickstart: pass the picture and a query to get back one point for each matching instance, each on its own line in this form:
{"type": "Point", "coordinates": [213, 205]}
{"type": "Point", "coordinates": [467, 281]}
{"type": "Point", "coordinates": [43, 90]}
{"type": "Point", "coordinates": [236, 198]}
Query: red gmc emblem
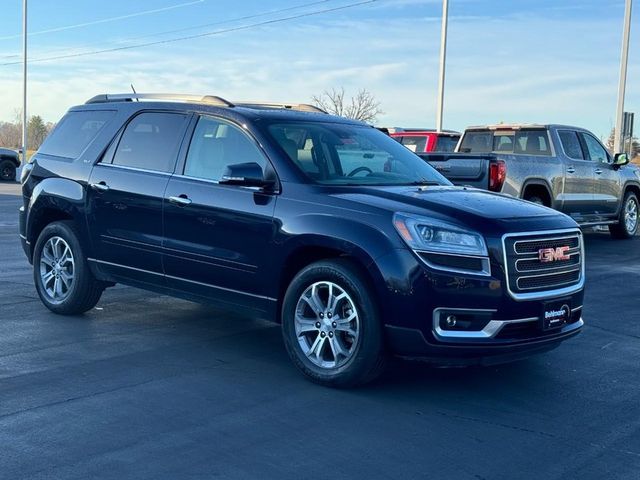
{"type": "Point", "coordinates": [553, 254]}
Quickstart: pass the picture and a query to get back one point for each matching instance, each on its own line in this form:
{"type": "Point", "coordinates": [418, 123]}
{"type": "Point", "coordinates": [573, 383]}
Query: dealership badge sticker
{"type": "Point", "coordinates": [546, 255]}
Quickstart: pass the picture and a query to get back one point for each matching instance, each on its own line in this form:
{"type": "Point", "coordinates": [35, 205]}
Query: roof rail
{"type": "Point", "coordinates": [130, 97]}
{"type": "Point", "coordinates": [303, 107]}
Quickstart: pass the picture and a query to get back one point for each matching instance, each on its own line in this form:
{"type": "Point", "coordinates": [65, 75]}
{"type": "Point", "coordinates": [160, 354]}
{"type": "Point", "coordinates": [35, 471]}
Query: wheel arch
{"type": "Point", "coordinates": [538, 184]}
{"type": "Point", "coordinates": [52, 200]}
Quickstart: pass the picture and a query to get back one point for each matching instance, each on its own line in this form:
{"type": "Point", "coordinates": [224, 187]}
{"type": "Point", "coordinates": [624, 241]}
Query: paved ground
{"type": "Point", "coordinates": [148, 387]}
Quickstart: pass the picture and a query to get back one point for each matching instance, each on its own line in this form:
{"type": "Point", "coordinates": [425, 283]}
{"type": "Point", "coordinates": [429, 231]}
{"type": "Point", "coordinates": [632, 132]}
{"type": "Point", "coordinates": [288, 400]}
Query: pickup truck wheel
{"type": "Point", "coordinates": [7, 171]}
{"type": "Point", "coordinates": [627, 225]}
{"type": "Point", "coordinates": [331, 326]}
{"type": "Point", "coordinates": [62, 276]}
{"type": "Point", "coordinates": [535, 199]}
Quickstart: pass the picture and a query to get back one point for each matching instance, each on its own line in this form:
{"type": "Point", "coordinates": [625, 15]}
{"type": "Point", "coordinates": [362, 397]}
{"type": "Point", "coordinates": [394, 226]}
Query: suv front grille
{"type": "Point", "coordinates": [529, 276]}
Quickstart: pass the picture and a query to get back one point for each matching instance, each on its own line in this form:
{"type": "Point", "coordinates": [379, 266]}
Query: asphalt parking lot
{"type": "Point", "coordinates": [146, 386]}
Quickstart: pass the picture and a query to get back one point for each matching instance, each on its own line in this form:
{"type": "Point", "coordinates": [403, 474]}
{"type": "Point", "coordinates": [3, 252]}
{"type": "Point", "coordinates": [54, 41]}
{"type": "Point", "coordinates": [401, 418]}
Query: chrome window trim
{"type": "Point", "coordinates": [486, 264]}
{"type": "Point", "coordinates": [133, 169]}
{"type": "Point", "coordinates": [558, 292]}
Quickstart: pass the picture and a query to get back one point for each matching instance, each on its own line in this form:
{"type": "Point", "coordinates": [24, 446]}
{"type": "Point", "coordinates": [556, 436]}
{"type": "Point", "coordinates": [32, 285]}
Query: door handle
{"type": "Point", "coordinates": [598, 171]}
{"type": "Point", "coordinates": [571, 170]}
{"type": "Point", "coordinates": [100, 187]}
{"type": "Point", "coordinates": [181, 200]}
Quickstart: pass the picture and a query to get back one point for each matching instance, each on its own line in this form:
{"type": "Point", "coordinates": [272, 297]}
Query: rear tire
{"type": "Point", "coordinates": [7, 171]}
{"type": "Point", "coordinates": [61, 274]}
{"type": "Point", "coordinates": [627, 225]}
{"type": "Point", "coordinates": [331, 325]}
{"type": "Point", "coordinates": [535, 199]}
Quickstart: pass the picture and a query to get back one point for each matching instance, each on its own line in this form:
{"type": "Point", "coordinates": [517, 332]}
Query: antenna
{"type": "Point", "coordinates": [134, 92]}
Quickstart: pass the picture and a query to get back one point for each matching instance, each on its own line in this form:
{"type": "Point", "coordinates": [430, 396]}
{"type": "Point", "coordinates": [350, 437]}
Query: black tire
{"type": "Point", "coordinates": [7, 171]}
{"type": "Point", "coordinates": [536, 199]}
{"type": "Point", "coordinates": [367, 359]}
{"type": "Point", "coordinates": [621, 230]}
{"type": "Point", "coordinates": [85, 291]}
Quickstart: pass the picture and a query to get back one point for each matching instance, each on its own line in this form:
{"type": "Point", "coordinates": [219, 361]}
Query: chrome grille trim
{"type": "Point", "coordinates": [512, 274]}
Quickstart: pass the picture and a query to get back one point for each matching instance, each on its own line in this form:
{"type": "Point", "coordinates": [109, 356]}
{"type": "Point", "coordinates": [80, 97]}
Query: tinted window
{"type": "Point", "coordinates": [503, 141]}
{"type": "Point", "coordinates": [415, 143]}
{"type": "Point", "coordinates": [446, 144]}
{"type": "Point", "coordinates": [151, 141]}
{"type": "Point", "coordinates": [532, 142]}
{"type": "Point", "coordinates": [74, 133]}
{"type": "Point", "coordinates": [596, 152]}
{"type": "Point", "coordinates": [215, 145]}
{"type": "Point", "coordinates": [344, 154]}
{"type": "Point", "coordinates": [477, 142]}
{"type": "Point", "coordinates": [571, 144]}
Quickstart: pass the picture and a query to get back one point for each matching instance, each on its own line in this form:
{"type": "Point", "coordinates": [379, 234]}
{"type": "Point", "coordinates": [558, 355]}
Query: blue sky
{"type": "Point", "coordinates": [513, 61]}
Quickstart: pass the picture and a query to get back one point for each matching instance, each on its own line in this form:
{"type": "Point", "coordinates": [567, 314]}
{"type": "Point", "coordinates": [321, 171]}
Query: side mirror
{"type": "Point", "coordinates": [245, 175]}
{"type": "Point", "coordinates": [620, 159]}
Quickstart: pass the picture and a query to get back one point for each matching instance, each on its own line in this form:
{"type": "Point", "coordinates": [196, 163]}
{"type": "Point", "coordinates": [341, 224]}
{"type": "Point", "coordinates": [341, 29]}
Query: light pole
{"type": "Point", "coordinates": [24, 83]}
{"type": "Point", "coordinates": [624, 58]}
{"type": "Point", "coordinates": [443, 59]}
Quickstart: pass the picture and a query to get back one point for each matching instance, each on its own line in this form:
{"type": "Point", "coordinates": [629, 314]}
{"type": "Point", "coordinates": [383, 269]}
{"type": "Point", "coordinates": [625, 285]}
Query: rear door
{"type": "Point", "coordinates": [607, 184]}
{"type": "Point", "coordinates": [218, 238]}
{"type": "Point", "coordinates": [579, 186]}
{"type": "Point", "coordinates": [126, 194]}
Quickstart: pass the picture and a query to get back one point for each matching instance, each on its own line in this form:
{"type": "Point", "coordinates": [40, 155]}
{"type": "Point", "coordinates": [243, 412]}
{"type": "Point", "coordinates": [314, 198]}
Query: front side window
{"type": "Point", "coordinates": [344, 154]}
{"type": "Point", "coordinates": [217, 144]}
{"type": "Point", "coordinates": [596, 152]}
{"type": "Point", "coordinates": [571, 144]}
{"type": "Point", "coordinates": [151, 142]}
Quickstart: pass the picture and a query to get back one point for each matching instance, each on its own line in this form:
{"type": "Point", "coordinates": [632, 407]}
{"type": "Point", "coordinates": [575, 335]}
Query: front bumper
{"type": "Point", "coordinates": [505, 328]}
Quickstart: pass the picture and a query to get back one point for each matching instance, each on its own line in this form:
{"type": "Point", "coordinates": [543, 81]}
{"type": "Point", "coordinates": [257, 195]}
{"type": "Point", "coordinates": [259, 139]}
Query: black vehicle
{"type": "Point", "coordinates": [9, 163]}
{"type": "Point", "coordinates": [357, 246]}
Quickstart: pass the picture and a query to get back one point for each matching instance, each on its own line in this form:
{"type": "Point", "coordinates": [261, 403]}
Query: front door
{"type": "Point", "coordinates": [579, 185]}
{"type": "Point", "coordinates": [218, 238]}
{"type": "Point", "coordinates": [125, 196]}
{"type": "Point", "coordinates": [608, 188]}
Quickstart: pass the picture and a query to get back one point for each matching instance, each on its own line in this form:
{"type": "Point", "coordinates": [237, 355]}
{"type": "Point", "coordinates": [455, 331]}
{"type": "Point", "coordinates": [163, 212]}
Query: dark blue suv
{"type": "Point", "coordinates": [358, 247]}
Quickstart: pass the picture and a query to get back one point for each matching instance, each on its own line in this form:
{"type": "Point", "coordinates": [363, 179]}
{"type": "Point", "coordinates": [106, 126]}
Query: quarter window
{"type": "Point", "coordinates": [75, 132]}
{"type": "Point", "coordinates": [215, 145]}
{"type": "Point", "coordinates": [596, 152]}
{"type": "Point", "coordinates": [571, 144]}
{"type": "Point", "coordinates": [151, 142]}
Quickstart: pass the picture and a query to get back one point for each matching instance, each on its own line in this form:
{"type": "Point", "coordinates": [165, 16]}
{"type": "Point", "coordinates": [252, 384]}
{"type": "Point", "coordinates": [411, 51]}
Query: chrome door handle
{"type": "Point", "coordinates": [181, 200]}
{"type": "Point", "coordinates": [100, 187]}
{"type": "Point", "coordinates": [571, 170]}
{"type": "Point", "coordinates": [598, 171]}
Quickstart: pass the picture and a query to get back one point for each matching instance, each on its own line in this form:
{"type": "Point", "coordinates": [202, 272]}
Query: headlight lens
{"type": "Point", "coordinates": [437, 236]}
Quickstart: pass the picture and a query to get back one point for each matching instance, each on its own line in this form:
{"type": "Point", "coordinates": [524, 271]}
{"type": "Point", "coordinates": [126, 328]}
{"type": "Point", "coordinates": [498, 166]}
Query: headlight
{"type": "Point", "coordinates": [436, 236]}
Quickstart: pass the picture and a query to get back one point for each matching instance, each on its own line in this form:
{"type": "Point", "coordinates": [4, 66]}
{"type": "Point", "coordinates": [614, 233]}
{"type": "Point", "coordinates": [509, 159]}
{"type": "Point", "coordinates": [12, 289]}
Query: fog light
{"type": "Point", "coordinates": [451, 321]}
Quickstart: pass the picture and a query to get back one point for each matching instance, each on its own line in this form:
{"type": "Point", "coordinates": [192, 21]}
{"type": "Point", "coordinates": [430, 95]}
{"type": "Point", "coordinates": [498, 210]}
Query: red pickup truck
{"type": "Point", "coordinates": [424, 140]}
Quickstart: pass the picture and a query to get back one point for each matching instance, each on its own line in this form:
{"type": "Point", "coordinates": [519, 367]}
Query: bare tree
{"type": "Point", "coordinates": [633, 146]}
{"type": "Point", "coordinates": [363, 106]}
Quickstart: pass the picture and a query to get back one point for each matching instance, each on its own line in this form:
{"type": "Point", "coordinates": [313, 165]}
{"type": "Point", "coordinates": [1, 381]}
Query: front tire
{"type": "Point", "coordinates": [61, 274]}
{"type": "Point", "coordinates": [7, 171]}
{"type": "Point", "coordinates": [331, 325]}
{"type": "Point", "coordinates": [627, 225]}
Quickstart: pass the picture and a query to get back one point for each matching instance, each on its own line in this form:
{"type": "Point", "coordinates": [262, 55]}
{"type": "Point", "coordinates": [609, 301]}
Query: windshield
{"type": "Point", "coordinates": [342, 154]}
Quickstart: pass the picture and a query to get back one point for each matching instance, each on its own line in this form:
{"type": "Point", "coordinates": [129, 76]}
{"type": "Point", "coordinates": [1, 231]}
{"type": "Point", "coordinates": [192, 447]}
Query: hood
{"type": "Point", "coordinates": [465, 206]}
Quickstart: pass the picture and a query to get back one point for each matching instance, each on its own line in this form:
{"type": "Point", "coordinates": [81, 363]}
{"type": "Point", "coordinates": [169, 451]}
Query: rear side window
{"type": "Point", "coordinates": [532, 142]}
{"type": "Point", "coordinates": [75, 132]}
{"type": "Point", "coordinates": [477, 142]}
{"type": "Point", "coordinates": [151, 141]}
{"type": "Point", "coordinates": [571, 144]}
{"type": "Point", "coordinates": [446, 144]}
{"type": "Point", "coordinates": [415, 143]}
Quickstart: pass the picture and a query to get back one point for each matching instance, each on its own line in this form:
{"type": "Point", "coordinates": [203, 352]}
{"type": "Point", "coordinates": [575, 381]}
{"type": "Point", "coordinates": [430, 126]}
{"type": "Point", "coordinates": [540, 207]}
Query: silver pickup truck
{"type": "Point", "coordinates": [563, 167]}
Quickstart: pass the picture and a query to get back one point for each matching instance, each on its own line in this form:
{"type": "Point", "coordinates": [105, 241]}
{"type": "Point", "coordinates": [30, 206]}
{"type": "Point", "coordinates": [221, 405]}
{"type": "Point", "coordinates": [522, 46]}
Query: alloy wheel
{"type": "Point", "coordinates": [57, 269]}
{"type": "Point", "coordinates": [631, 215]}
{"type": "Point", "coordinates": [327, 325]}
